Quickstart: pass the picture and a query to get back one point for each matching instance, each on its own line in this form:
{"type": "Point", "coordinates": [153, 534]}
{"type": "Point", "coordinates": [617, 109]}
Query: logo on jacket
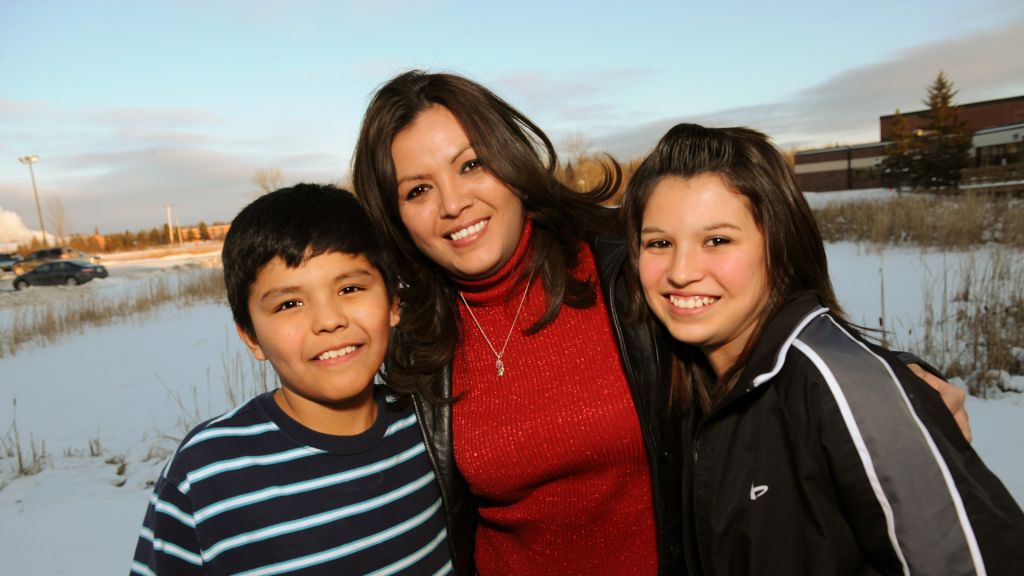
{"type": "Point", "coordinates": [757, 491]}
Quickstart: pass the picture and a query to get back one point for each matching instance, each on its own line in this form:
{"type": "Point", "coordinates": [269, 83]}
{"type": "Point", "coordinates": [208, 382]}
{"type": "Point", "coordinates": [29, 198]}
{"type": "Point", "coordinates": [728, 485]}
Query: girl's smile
{"type": "Point", "coordinates": [702, 265]}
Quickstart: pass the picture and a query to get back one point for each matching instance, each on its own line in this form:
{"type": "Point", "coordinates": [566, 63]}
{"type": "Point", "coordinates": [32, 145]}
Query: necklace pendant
{"type": "Point", "coordinates": [500, 366]}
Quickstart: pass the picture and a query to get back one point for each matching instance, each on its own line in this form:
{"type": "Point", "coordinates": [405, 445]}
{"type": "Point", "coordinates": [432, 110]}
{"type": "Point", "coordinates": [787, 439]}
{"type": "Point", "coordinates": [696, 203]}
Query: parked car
{"type": "Point", "coordinates": [69, 272]}
{"type": "Point", "coordinates": [49, 255]}
{"type": "Point", "coordinates": [8, 260]}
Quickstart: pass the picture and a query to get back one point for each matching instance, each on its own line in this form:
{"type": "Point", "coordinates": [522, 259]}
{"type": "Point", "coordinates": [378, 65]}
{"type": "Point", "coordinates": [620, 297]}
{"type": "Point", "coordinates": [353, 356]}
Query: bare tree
{"type": "Point", "coordinates": [267, 179]}
{"type": "Point", "coordinates": [576, 147]}
{"type": "Point", "coordinates": [580, 168]}
{"type": "Point", "coordinates": [58, 218]}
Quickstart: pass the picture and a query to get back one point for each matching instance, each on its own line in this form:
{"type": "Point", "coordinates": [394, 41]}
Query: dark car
{"type": "Point", "coordinates": [8, 260]}
{"type": "Point", "coordinates": [69, 272]}
{"type": "Point", "coordinates": [49, 255]}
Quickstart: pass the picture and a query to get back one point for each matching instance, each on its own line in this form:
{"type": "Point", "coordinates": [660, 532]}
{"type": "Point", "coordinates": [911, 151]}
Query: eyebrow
{"type": "Point", "coordinates": [707, 228]}
{"type": "Point", "coordinates": [718, 225]}
{"type": "Point", "coordinates": [285, 290]}
{"type": "Point", "coordinates": [460, 152]}
{"type": "Point", "coordinates": [454, 157]}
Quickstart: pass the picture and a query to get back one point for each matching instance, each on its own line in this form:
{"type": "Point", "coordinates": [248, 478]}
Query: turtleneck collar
{"type": "Point", "coordinates": [496, 288]}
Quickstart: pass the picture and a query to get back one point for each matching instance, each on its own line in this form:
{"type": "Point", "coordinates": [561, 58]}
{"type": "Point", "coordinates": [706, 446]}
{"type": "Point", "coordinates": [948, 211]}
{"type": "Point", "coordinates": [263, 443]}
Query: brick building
{"type": "Point", "coordinates": [998, 140]}
{"type": "Point", "coordinates": [977, 115]}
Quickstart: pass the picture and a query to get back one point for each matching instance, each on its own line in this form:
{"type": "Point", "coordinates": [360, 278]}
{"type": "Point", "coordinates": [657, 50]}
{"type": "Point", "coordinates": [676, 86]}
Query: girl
{"type": "Point", "coordinates": [810, 450]}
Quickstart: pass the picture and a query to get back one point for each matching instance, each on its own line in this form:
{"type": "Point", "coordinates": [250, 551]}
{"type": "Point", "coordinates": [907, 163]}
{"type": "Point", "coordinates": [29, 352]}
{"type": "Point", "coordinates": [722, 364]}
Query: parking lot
{"type": "Point", "coordinates": [126, 270]}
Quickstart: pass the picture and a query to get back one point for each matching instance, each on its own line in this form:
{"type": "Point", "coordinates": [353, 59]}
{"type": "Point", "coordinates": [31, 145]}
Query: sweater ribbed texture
{"type": "Point", "coordinates": [552, 450]}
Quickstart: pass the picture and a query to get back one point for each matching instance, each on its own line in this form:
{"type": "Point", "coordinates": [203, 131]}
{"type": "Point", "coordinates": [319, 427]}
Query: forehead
{"type": "Point", "coordinates": [435, 130]}
{"type": "Point", "coordinates": [705, 195]}
{"type": "Point", "coordinates": [329, 264]}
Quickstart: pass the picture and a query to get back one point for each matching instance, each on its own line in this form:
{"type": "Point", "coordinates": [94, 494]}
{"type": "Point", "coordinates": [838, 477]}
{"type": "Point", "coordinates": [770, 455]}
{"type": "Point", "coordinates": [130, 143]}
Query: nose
{"type": "Point", "coordinates": [455, 198]}
{"type": "Point", "coordinates": [329, 316]}
{"type": "Point", "coordinates": [686, 266]}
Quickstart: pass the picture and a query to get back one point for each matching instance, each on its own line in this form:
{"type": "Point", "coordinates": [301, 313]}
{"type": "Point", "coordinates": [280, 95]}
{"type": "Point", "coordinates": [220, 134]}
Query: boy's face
{"type": "Point", "coordinates": [323, 326]}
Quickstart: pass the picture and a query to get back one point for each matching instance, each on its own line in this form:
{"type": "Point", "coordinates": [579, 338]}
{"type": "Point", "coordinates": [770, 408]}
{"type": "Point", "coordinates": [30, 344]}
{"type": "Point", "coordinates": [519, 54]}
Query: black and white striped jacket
{"type": "Point", "coordinates": [830, 457]}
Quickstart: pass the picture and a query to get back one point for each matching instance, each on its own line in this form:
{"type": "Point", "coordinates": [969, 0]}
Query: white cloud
{"type": "Point", "coordinates": [846, 107]}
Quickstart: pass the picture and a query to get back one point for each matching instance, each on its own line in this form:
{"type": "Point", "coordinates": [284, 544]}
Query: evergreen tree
{"type": "Point", "coordinates": [946, 141]}
{"type": "Point", "coordinates": [204, 232]}
{"type": "Point", "coordinates": [902, 154]}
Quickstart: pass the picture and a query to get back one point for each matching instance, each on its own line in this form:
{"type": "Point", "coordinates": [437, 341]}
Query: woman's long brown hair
{"type": "Point", "coordinates": [517, 153]}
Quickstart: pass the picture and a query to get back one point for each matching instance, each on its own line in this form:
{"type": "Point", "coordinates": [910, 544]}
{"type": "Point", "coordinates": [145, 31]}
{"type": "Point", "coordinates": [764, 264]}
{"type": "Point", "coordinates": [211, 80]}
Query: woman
{"type": "Point", "coordinates": [814, 452]}
{"type": "Point", "coordinates": [561, 440]}
{"type": "Point", "coordinates": [542, 407]}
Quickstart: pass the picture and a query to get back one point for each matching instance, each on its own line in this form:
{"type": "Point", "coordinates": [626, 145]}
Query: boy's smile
{"type": "Point", "coordinates": [324, 327]}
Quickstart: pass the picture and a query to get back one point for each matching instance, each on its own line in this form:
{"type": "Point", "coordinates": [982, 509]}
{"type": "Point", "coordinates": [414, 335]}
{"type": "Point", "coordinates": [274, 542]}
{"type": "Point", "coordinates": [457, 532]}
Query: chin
{"type": "Point", "coordinates": [688, 336]}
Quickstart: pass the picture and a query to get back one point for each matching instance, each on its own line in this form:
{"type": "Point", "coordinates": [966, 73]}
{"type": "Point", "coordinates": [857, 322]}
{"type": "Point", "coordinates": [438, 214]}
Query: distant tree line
{"type": "Point", "coordinates": [122, 241]}
{"type": "Point", "coordinates": [931, 157]}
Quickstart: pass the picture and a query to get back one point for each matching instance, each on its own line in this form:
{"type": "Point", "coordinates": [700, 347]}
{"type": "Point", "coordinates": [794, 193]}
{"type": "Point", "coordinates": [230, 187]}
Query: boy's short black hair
{"type": "Point", "coordinates": [295, 224]}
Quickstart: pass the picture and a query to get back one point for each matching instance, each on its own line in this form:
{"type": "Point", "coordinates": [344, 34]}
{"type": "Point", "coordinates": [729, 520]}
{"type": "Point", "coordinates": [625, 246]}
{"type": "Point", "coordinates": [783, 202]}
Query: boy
{"type": "Point", "coordinates": [320, 475]}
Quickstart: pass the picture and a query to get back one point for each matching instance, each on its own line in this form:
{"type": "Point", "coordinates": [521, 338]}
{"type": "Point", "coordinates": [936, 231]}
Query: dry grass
{"type": "Point", "coordinates": [974, 321]}
{"type": "Point", "coordinates": [925, 220]}
{"type": "Point", "coordinates": [973, 326]}
{"type": "Point", "coordinates": [242, 378]}
{"type": "Point", "coordinates": [45, 324]}
{"type": "Point", "coordinates": [27, 461]}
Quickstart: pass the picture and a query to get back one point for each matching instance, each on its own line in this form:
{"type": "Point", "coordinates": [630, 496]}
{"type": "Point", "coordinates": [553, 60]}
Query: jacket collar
{"type": "Point", "coordinates": [769, 353]}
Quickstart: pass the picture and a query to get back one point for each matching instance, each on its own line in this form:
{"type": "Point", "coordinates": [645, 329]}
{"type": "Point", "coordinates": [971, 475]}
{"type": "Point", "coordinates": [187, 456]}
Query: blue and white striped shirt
{"type": "Point", "coordinates": [254, 492]}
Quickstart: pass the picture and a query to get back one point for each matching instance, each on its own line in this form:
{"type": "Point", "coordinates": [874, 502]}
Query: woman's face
{"type": "Point", "coordinates": [702, 265]}
{"type": "Point", "coordinates": [458, 213]}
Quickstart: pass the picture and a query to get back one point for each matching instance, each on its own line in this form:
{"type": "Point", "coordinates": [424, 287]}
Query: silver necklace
{"type": "Point", "coordinates": [498, 364]}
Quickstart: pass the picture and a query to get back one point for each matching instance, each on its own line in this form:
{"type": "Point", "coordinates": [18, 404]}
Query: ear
{"type": "Point", "coordinates": [395, 315]}
{"type": "Point", "coordinates": [250, 343]}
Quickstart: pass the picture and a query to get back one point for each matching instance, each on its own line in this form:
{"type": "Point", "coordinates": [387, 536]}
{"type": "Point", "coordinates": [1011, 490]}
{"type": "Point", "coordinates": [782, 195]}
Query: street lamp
{"type": "Point", "coordinates": [30, 160]}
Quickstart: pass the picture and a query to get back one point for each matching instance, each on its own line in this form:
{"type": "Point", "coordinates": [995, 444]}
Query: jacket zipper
{"type": "Point", "coordinates": [693, 497]}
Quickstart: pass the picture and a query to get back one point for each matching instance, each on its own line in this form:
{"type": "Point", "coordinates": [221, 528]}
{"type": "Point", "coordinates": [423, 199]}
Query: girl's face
{"type": "Point", "coordinates": [702, 265]}
{"type": "Point", "coordinates": [458, 214]}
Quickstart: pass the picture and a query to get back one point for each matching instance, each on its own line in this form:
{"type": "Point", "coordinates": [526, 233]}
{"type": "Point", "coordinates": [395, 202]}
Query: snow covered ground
{"type": "Point", "coordinates": [128, 390]}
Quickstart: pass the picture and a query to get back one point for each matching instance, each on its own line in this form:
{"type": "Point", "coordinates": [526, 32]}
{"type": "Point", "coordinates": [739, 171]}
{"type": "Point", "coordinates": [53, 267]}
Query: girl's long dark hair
{"type": "Point", "coordinates": [517, 153]}
{"type": "Point", "coordinates": [794, 250]}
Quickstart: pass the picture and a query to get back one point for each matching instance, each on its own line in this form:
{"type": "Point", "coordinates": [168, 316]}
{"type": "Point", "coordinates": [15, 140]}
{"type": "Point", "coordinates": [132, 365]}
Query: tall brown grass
{"type": "Point", "coordinates": [926, 220]}
{"type": "Point", "coordinates": [26, 461]}
{"type": "Point", "coordinates": [242, 378]}
{"type": "Point", "coordinates": [973, 324]}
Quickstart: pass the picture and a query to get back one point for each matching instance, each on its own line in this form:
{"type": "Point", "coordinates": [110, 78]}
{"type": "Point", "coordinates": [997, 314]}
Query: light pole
{"type": "Point", "coordinates": [30, 160]}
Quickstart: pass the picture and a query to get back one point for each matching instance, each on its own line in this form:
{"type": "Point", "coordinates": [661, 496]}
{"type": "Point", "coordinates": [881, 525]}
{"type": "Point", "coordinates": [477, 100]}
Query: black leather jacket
{"type": "Point", "coordinates": [645, 357]}
{"type": "Point", "coordinates": [829, 456]}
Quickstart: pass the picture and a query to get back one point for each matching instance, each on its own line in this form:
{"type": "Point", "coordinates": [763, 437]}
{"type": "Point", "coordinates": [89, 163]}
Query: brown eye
{"type": "Point", "coordinates": [416, 191]}
{"type": "Point", "coordinates": [287, 305]}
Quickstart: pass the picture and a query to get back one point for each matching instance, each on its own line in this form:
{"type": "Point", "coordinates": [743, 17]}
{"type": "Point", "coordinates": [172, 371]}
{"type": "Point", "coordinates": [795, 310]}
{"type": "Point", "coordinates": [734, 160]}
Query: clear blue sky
{"type": "Point", "coordinates": [134, 105]}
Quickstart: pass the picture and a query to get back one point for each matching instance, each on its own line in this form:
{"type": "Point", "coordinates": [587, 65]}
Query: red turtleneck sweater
{"type": "Point", "coordinates": [552, 450]}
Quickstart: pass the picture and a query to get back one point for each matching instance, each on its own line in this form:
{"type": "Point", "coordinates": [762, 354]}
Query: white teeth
{"type": "Point", "coordinates": [691, 302]}
{"type": "Point", "coordinates": [470, 230]}
{"type": "Point", "coordinates": [336, 353]}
